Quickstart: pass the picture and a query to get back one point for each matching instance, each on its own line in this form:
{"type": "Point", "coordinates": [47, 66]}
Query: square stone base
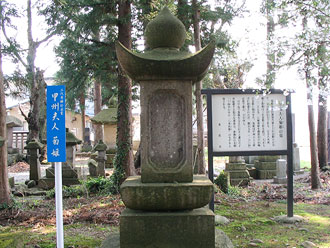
{"type": "Point", "coordinates": [282, 180]}
{"type": "Point", "coordinates": [49, 183]}
{"type": "Point", "coordinates": [179, 229]}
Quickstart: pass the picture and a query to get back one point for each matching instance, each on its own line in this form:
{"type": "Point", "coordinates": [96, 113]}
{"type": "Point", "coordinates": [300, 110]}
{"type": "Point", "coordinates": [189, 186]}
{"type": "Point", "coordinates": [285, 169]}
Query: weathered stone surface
{"type": "Point", "coordinates": [166, 131]}
{"type": "Point", "coordinates": [281, 168]}
{"type": "Point", "coordinates": [221, 240]}
{"type": "Point", "coordinates": [106, 116]}
{"type": "Point", "coordinates": [265, 165]}
{"type": "Point", "coordinates": [67, 172]}
{"type": "Point", "coordinates": [11, 182]}
{"type": "Point", "coordinates": [92, 167]}
{"type": "Point", "coordinates": [268, 158]}
{"type": "Point", "coordinates": [166, 196]}
{"type": "Point", "coordinates": [235, 166]}
{"type": "Point", "coordinates": [288, 220]}
{"type": "Point", "coordinates": [239, 181]}
{"type": "Point", "coordinates": [179, 229]}
{"type": "Point", "coordinates": [266, 174]}
{"type": "Point", "coordinates": [49, 183]}
{"type": "Point", "coordinates": [238, 174]}
{"type": "Point", "coordinates": [221, 220]}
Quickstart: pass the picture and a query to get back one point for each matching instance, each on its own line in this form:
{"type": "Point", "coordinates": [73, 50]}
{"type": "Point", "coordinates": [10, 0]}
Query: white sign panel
{"type": "Point", "coordinates": [248, 122]}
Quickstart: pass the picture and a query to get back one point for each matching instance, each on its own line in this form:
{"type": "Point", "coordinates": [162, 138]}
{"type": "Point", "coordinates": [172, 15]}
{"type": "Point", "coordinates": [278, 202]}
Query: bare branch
{"type": "Point", "coordinates": [22, 113]}
{"type": "Point", "coordinates": [16, 54]}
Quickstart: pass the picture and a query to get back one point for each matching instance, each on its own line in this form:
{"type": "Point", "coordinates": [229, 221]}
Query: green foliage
{"type": "Point", "coordinates": [100, 185]}
{"type": "Point", "coordinates": [68, 191]}
{"type": "Point", "coordinates": [222, 182]}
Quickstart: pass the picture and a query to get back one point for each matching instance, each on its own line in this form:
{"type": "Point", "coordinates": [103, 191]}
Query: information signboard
{"type": "Point", "coordinates": [247, 122]}
{"type": "Point", "coordinates": [56, 124]}
{"type": "Point", "coordinates": [250, 122]}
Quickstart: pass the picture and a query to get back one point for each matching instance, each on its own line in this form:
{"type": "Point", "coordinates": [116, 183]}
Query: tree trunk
{"type": "Point", "coordinates": [33, 116]}
{"type": "Point", "coordinates": [322, 129]}
{"type": "Point", "coordinates": [83, 116]}
{"type": "Point", "coordinates": [270, 75]}
{"type": "Point", "coordinates": [199, 100]}
{"type": "Point", "coordinates": [4, 185]}
{"type": "Point", "coordinates": [124, 158]}
{"type": "Point", "coordinates": [97, 108]}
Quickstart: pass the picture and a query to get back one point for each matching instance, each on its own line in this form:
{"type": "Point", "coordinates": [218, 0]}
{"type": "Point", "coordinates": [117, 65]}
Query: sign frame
{"type": "Point", "coordinates": [288, 151]}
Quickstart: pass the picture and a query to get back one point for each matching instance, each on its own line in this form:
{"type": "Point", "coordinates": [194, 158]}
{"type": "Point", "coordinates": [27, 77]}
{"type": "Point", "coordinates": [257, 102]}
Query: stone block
{"type": "Point", "coordinates": [265, 165]}
{"type": "Point", "coordinates": [49, 183]}
{"type": "Point", "coordinates": [280, 180]}
{"type": "Point", "coordinates": [67, 172]}
{"type": "Point", "coordinates": [238, 174]}
{"type": "Point", "coordinates": [109, 161]}
{"type": "Point", "coordinates": [166, 131]}
{"type": "Point", "coordinates": [179, 229]}
{"type": "Point", "coordinates": [92, 167]}
{"type": "Point", "coordinates": [235, 166]}
{"type": "Point", "coordinates": [11, 182]}
{"type": "Point", "coordinates": [269, 158]}
{"type": "Point", "coordinates": [266, 174]}
{"type": "Point", "coordinates": [239, 181]}
{"type": "Point", "coordinates": [166, 196]}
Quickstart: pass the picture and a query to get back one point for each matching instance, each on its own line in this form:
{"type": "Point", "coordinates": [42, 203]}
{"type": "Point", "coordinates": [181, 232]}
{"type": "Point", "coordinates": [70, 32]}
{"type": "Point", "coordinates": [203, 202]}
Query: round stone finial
{"type": "Point", "coordinates": [165, 31]}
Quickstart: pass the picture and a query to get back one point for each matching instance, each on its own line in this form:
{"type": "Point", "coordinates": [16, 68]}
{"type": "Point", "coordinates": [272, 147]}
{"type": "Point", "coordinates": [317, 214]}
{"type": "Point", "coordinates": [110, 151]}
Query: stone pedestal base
{"type": "Point", "coordinates": [280, 180]}
{"type": "Point", "coordinates": [299, 172]}
{"type": "Point", "coordinates": [265, 170]}
{"type": "Point", "coordinates": [238, 174]}
{"type": "Point", "coordinates": [49, 183]}
{"type": "Point", "coordinates": [69, 177]}
{"type": "Point", "coordinates": [179, 229]}
{"type": "Point", "coordinates": [266, 174]}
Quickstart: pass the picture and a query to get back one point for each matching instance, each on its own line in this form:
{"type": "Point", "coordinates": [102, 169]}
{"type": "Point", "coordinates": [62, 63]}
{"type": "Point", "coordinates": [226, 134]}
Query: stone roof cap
{"type": "Point", "coordinates": [34, 144]}
{"type": "Point", "coordinates": [100, 146]}
{"type": "Point", "coordinates": [165, 31]}
{"type": "Point", "coordinates": [71, 139]}
{"type": "Point", "coordinates": [106, 116]}
{"type": "Point", "coordinates": [12, 121]}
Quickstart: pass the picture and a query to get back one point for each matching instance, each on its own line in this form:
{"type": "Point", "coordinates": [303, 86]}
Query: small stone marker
{"type": "Point", "coordinates": [158, 201]}
{"type": "Point", "coordinates": [281, 169]}
{"type": "Point", "coordinates": [296, 160]}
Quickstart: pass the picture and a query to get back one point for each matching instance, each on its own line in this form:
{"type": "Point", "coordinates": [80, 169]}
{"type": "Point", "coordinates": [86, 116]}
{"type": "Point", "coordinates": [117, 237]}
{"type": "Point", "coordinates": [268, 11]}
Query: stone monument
{"type": "Point", "coordinates": [70, 174]}
{"type": "Point", "coordinates": [296, 160]}
{"type": "Point", "coordinates": [237, 171]}
{"type": "Point", "coordinates": [165, 205]}
{"type": "Point", "coordinates": [266, 166]}
{"type": "Point", "coordinates": [281, 169]}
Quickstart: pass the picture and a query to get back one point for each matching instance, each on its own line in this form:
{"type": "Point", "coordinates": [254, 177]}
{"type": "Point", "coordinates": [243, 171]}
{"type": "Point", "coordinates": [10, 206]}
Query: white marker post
{"type": "Point", "coordinates": [59, 205]}
{"type": "Point", "coordinates": [56, 149]}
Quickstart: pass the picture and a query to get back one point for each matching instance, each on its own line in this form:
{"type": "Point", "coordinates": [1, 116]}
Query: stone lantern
{"type": "Point", "coordinates": [107, 118]}
{"type": "Point", "coordinates": [101, 158]}
{"type": "Point", "coordinates": [34, 148]}
{"type": "Point", "coordinates": [11, 122]}
{"type": "Point", "coordinates": [165, 205]}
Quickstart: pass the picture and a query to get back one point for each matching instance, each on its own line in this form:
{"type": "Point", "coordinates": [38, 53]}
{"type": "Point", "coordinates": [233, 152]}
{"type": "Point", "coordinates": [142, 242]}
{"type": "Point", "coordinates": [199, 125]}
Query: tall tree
{"type": "Point", "coordinates": [308, 51]}
{"type": "Point", "coordinates": [270, 74]}
{"type": "Point", "coordinates": [124, 156]}
{"type": "Point", "coordinates": [4, 185]}
{"type": "Point", "coordinates": [200, 161]}
{"type": "Point", "coordinates": [34, 86]}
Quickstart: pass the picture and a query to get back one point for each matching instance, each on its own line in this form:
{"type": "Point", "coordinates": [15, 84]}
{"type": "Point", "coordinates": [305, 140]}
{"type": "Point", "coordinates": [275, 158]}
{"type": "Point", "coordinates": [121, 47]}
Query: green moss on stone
{"type": "Point", "coordinates": [165, 31]}
{"type": "Point", "coordinates": [106, 116]}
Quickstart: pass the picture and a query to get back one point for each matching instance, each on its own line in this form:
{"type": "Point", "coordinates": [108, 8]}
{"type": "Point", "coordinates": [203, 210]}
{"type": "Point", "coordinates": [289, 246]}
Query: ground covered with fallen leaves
{"type": "Point", "coordinates": [88, 219]}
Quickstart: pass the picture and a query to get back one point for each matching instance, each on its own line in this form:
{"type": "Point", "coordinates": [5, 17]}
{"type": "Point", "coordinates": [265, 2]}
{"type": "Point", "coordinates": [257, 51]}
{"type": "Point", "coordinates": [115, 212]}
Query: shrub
{"type": "Point", "coordinates": [222, 182]}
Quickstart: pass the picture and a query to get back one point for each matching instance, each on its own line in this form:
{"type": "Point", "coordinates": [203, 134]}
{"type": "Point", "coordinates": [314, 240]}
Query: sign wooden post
{"type": "Point", "coordinates": [250, 122]}
{"type": "Point", "coordinates": [56, 148]}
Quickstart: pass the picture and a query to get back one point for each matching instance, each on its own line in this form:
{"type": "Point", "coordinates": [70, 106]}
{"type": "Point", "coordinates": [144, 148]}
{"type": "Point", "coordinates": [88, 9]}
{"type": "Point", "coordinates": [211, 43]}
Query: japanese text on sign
{"type": "Point", "coordinates": [56, 123]}
{"type": "Point", "coordinates": [247, 122]}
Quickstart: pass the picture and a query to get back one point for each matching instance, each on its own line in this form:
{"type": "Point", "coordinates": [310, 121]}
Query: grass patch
{"type": "Point", "coordinates": [253, 220]}
{"type": "Point", "coordinates": [305, 164]}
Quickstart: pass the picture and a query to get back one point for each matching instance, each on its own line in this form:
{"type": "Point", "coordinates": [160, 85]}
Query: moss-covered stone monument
{"type": "Point", "coordinates": [165, 205]}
